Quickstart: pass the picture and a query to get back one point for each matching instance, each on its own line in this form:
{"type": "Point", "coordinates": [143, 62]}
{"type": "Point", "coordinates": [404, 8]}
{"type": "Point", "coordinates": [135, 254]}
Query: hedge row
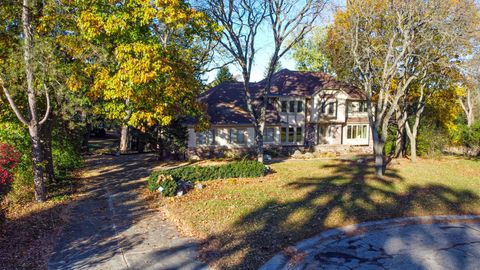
{"type": "Point", "coordinates": [194, 174]}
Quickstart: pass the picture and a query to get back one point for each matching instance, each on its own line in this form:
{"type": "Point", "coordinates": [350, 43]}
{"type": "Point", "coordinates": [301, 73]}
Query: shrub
{"type": "Point", "coordinates": [469, 136]}
{"type": "Point", "coordinates": [9, 159]}
{"type": "Point", "coordinates": [165, 181]}
{"type": "Point", "coordinates": [204, 173]}
{"type": "Point", "coordinates": [431, 140]}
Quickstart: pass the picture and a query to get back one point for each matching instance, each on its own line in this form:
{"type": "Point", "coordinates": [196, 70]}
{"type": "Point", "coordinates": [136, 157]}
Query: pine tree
{"type": "Point", "coordinates": [223, 75]}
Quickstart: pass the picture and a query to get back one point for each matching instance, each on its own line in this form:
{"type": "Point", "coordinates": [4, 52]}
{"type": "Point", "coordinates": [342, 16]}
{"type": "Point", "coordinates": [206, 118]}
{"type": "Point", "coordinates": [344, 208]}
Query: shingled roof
{"type": "Point", "coordinates": [297, 83]}
{"type": "Point", "coordinates": [226, 101]}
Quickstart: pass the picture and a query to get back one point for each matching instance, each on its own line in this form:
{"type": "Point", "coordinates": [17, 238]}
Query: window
{"type": "Point", "coordinates": [298, 137]}
{"type": "Point", "coordinates": [363, 107]}
{"type": "Point", "coordinates": [292, 106]}
{"type": "Point", "coordinates": [328, 108]}
{"type": "Point", "coordinates": [357, 132]}
{"type": "Point", "coordinates": [291, 134]}
{"type": "Point", "coordinates": [300, 106]}
{"type": "Point", "coordinates": [283, 134]}
{"type": "Point", "coordinates": [269, 135]}
{"type": "Point", "coordinates": [331, 108]}
{"type": "Point", "coordinates": [357, 107]}
{"type": "Point", "coordinates": [237, 135]}
{"type": "Point", "coordinates": [284, 106]}
{"type": "Point", "coordinates": [206, 138]}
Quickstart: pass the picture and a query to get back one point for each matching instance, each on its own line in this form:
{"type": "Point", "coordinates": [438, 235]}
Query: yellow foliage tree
{"type": "Point", "coordinates": [140, 54]}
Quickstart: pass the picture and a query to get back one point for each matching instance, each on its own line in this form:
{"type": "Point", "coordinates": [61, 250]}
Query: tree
{"type": "Point", "coordinates": [387, 46]}
{"type": "Point", "coordinates": [289, 21]}
{"type": "Point", "coordinates": [444, 36]}
{"type": "Point", "coordinates": [377, 35]}
{"type": "Point", "coordinates": [310, 53]}
{"type": "Point", "coordinates": [34, 121]}
{"type": "Point", "coordinates": [223, 75]}
{"type": "Point", "coordinates": [470, 100]}
{"type": "Point", "coordinates": [140, 54]}
{"type": "Point", "coordinates": [277, 68]}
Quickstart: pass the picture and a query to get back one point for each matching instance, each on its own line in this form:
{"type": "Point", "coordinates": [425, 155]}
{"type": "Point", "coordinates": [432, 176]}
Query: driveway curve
{"type": "Point", "coordinates": [112, 227]}
{"type": "Point", "coordinates": [437, 242]}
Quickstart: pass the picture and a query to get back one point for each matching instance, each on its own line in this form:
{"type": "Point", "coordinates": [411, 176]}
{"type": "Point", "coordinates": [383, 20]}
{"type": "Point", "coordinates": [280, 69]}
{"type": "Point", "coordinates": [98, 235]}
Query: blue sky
{"type": "Point", "coordinates": [264, 48]}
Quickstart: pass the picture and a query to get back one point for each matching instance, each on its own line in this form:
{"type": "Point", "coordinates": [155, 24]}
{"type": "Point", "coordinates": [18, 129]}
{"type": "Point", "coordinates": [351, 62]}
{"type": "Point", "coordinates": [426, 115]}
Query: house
{"type": "Point", "coordinates": [306, 110]}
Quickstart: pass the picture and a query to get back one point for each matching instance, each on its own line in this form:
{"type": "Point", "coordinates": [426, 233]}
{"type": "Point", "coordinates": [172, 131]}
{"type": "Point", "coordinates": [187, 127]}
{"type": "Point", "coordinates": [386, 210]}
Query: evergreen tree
{"type": "Point", "coordinates": [223, 75]}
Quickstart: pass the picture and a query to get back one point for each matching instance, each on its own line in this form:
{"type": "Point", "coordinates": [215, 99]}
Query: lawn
{"type": "Point", "coordinates": [244, 222]}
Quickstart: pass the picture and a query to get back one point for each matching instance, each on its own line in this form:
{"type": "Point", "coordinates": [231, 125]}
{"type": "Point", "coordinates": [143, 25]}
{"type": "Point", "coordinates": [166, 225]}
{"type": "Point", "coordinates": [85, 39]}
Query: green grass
{"type": "Point", "coordinates": [246, 221]}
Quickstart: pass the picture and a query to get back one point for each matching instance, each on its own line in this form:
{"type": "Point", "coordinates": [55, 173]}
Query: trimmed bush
{"type": "Point", "coordinates": [242, 169]}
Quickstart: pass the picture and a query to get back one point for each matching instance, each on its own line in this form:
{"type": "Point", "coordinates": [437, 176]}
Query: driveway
{"type": "Point", "coordinates": [111, 227]}
{"type": "Point", "coordinates": [444, 242]}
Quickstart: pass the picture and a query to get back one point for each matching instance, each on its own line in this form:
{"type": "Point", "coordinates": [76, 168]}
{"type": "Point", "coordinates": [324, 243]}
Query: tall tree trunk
{"type": "Point", "coordinates": [125, 131]}
{"type": "Point", "coordinates": [378, 149]}
{"type": "Point", "coordinates": [37, 161]}
{"type": "Point", "coordinates": [261, 121]}
{"type": "Point", "coordinates": [400, 141]}
{"type": "Point", "coordinates": [47, 149]}
{"type": "Point", "coordinates": [124, 138]}
{"type": "Point", "coordinates": [259, 141]}
{"type": "Point", "coordinates": [413, 132]}
{"type": "Point", "coordinates": [468, 107]}
{"type": "Point", "coordinates": [412, 137]}
{"type": "Point", "coordinates": [34, 125]}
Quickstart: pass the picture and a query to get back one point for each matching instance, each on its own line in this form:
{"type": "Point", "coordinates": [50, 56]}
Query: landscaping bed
{"type": "Point", "coordinates": [167, 181]}
{"type": "Point", "coordinates": [244, 222]}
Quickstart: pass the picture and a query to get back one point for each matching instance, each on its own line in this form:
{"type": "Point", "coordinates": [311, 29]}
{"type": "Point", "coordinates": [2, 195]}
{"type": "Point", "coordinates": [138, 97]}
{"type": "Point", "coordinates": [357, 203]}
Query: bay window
{"type": "Point", "coordinates": [358, 131]}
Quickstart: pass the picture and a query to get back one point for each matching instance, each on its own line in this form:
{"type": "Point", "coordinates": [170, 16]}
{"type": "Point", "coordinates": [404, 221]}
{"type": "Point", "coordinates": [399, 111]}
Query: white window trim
{"type": "Point", "coordinates": [205, 133]}
{"type": "Point", "coordinates": [287, 137]}
{"type": "Point", "coordinates": [295, 106]}
{"type": "Point", "coordinates": [235, 141]}
{"type": "Point", "coordinates": [349, 104]}
{"type": "Point", "coordinates": [273, 135]}
{"type": "Point", "coordinates": [326, 105]}
{"type": "Point", "coordinates": [357, 127]}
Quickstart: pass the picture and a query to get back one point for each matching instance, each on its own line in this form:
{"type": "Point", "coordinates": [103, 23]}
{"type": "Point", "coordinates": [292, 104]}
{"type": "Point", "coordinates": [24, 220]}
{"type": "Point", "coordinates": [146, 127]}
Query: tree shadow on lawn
{"type": "Point", "coordinates": [351, 194]}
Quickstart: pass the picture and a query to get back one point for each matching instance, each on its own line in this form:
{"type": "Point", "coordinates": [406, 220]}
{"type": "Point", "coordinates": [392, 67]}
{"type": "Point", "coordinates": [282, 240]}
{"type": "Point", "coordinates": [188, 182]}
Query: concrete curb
{"type": "Point", "coordinates": [282, 260]}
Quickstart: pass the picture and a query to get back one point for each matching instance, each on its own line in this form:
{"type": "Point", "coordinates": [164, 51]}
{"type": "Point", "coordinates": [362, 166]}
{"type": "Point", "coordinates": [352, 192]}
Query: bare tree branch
{"type": "Point", "coordinates": [47, 112]}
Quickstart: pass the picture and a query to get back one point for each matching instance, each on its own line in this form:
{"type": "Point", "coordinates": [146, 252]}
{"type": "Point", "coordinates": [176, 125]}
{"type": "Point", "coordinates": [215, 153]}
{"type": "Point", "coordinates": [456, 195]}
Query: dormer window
{"type": "Point", "coordinates": [331, 108]}
{"type": "Point", "coordinates": [328, 108]}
